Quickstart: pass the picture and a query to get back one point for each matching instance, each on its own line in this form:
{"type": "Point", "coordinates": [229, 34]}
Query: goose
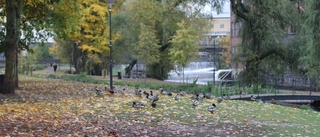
{"type": "Point", "coordinates": [98, 92]}
{"type": "Point", "coordinates": [177, 97]}
{"type": "Point", "coordinates": [212, 108]}
{"type": "Point", "coordinates": [195, 103]}
{"type": "Point", "coordinates": [137, 105]}
{"type": "Point", "coordinates": [219, 99]}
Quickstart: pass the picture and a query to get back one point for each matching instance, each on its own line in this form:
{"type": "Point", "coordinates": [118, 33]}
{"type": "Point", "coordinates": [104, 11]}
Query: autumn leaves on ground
{"type": "Point", "coordinates": [60, 108]}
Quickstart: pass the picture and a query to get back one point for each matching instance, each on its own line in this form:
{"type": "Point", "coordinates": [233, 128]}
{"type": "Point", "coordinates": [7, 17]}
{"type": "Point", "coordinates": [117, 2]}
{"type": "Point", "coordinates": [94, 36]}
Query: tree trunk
{"type": "Point", "coordinates": [13, 11]}
{"type": "Point", "coordinates": [16, 70]}
{"type": "Point", "coordinates": [129, 68]}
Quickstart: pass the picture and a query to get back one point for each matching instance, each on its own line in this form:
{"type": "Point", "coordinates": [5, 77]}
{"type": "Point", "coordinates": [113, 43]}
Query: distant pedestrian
{"type": "Point", "coordinates": [54, 67]}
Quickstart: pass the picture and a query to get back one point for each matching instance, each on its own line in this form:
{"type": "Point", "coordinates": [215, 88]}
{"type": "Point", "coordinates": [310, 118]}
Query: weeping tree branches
{"type": "Point", "coordinates": [264, 27]}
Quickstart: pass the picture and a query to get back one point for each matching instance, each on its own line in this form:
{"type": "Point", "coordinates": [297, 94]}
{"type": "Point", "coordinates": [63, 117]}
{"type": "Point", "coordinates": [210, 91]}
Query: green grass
{"type": "Point", "coordinates": [236, 117]}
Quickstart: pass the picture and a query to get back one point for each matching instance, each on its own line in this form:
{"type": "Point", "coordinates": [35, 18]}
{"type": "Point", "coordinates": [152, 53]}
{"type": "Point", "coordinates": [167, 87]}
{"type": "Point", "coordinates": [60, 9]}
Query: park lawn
{"type": "Point", "coordinates": [47, 107]}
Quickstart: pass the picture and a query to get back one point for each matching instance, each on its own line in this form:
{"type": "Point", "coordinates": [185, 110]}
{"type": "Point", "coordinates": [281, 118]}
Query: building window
{"type": "Point", "coordinates": [221, 25]}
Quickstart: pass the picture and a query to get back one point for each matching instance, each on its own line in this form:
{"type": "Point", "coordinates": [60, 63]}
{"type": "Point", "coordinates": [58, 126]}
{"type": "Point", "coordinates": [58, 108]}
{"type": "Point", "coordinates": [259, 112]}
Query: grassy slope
{"type": "Point", "coordinates": [54, 107]}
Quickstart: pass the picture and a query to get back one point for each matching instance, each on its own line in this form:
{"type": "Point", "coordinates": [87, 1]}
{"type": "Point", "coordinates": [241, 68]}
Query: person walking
{"type": "Point", "coordinates": [54, 67]}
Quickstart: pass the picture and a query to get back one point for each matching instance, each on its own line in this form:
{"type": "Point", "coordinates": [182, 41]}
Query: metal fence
{"type": "Point", "coordinates": [290, 84]}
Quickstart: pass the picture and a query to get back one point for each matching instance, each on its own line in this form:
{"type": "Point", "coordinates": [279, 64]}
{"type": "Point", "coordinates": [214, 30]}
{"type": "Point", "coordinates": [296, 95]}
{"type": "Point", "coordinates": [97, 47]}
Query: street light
{"type": "Point", "coordinates": [214, 57]}
{"type": "Point", "coordinates": [110, 2]}
{"type": "Point", "coordinates": [214, 61]}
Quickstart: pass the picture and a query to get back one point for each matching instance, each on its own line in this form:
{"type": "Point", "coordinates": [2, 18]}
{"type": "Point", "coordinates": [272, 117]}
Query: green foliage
{"type": "Point", "coordinates": [265, 24]}
{"type": "Point", "coordinates": [159, 20]}
{"type": "Point", "coordinates": [305, 107]}
{"type": "Point", "coordinates": [311, 57]}
{"type": "Point", "coordinates": [184, 44]}
{"type": "Point", "coordinates": [40, 52]}
{"type": "Point", "coordinates": [147, 48]}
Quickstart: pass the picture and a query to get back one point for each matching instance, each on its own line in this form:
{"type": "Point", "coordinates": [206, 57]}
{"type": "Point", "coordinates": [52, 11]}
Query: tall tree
{"type": "Point", "coordinates": [184, 45]}
{"type": "Point", "coordinates": [311, 56]}
{"type": "Point", "coordinates": [162, 16]}
{"type": "Point", "coordinates": [147, 46]}
{"type": "Point", "coordinates": [265, 25]}
{"type": "Point", "coordinates": [21, 17]}
{"type": "Point", "coordinates": [13, 15]}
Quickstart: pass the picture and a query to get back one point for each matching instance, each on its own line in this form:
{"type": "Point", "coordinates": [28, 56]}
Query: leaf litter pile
{"type": "Point", "coordinates": [60, 108]}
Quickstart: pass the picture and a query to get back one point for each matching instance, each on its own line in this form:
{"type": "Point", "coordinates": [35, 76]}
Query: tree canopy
{"type": "Point", "coordinates": [265, 25]}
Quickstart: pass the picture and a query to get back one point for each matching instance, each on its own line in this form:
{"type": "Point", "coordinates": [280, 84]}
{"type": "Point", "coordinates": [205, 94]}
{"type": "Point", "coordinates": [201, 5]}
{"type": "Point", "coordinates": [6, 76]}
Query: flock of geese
{"type": "Point", "coordinates": [154, 97]}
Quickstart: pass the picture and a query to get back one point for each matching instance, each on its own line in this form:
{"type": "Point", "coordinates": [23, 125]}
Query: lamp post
{"type": "Point", "coordinates": [214, 58]}
{"type": "Point", "coordinates": [214, 61]}
{"type": "Point", "coordinates": [110, 2]}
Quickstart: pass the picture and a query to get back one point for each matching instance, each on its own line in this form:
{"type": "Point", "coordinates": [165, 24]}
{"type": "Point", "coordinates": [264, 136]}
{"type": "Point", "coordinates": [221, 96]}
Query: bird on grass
{"type": "Point", "coordinates": [122, 91]}
{"type": "Point", "coordinates": [273, 101]}
{"type": "Point", "coordinates": [163, 92]}
{"type": "Point", "coordinates": [138, 93]}
{"type": "Point", "coordinates": [109, 90]}
{"type": "Point", "coordinates": [145, 93]}
{"type": "Point", "coordinates": [154, 104]}
{"type": "Point", "coordinates": [212, 108]}
{"type": "Point", "coordinates": [177, 97]}
{"type": "Point", "coordinates": [226, 97]}
{"type": "Point", "coordinates": [219, 99]}
{"type": "Point", "coordinates": [98, 92]}
{"type": "Point", "coordinates": [209, 96]}
{"type": "Point", "coordinates": [194, 96]}
{"type": "Point", "coordinates": [137, 105]}
{"type": "Point", "coordinates": [152, 97]}
{"type": "Point", "coordinates": [195, 103]}
{"type": "Point", "coordinates": [182, 93]}
{"type": "Point", "coordinates": [200, 96]}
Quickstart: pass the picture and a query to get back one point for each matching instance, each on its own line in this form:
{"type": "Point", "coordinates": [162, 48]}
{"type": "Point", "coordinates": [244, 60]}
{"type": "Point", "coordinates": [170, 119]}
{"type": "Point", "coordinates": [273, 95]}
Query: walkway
{"type": "Point", "coordinates": [268, 97]}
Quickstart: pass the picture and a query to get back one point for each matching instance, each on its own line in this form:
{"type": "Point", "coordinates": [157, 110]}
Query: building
{"type": "Point", "coordinates": [219, 28]}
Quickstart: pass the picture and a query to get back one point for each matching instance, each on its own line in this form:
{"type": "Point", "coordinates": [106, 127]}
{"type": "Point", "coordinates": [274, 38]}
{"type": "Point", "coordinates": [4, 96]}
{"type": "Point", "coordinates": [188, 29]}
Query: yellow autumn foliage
{"type": "Point", "coordinates": [225, 43]}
